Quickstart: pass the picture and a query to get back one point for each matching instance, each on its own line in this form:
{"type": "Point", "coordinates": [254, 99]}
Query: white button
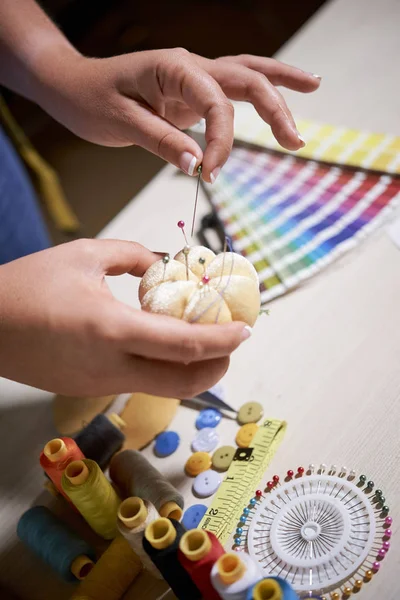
{"type": "Point", "coordinates": [206, 483]}
{"type": "Point", "coordinates": [206, 440]}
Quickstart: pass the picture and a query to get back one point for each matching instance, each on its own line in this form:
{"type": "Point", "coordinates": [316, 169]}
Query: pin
{"type": "Point", "coordinates": [186, 248]}
{"type": "Point", "coordinates": [199, 169]}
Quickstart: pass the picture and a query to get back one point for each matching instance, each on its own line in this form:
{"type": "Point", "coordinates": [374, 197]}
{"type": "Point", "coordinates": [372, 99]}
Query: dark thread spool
{"type": "Point", "coordinates": [161, 542]}
{"type": "Point", "coordinates": [55, 458]}
{"type": "Point", "coordinates": [57, 546]}
{"type": "Point", "coordinates": [100, 440]}
{"type": "Point", "coordinates": [198, 551]}
{"type": "Point", "coordinates": [135, 476]}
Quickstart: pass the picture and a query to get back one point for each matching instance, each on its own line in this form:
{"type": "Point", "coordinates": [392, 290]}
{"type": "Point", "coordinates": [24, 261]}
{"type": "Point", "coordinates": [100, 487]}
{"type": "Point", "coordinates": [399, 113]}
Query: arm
{"type": "Point", "coordinates": [144, 98]}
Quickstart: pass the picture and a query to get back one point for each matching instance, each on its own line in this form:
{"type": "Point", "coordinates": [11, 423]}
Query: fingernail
{"type": "Point", "coordinates": [214, 174]}
{"type": "Point", "coordinates": [188, 162]}
{"type": "Point", "coordinates": [246, 333]}
{"type": "Point", "coordinates": [303, 142]}
{"type": "Point", "coordinates": [316, 76]}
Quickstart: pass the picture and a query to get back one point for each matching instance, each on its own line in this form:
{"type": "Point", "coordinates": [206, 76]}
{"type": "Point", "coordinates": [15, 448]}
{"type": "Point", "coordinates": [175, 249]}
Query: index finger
{"type": "Point", "coordinates": [186, 81]}
{"type": "Point", "coordinates": [170, 339]}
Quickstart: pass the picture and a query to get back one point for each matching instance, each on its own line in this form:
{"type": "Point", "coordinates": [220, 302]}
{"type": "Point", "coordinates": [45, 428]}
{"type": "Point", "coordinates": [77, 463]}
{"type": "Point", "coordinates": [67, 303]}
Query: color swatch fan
{"type": "Point", "coordinates": [291, 217]}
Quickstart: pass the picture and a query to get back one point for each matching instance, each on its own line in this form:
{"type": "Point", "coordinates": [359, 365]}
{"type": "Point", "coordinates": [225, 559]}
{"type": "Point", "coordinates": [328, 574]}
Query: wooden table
{"type": "Point", "coordinates": [327, 360]}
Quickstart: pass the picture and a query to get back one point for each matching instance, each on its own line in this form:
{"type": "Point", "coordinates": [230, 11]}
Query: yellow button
{"type": "Point", "coordinates": [197, 463]}
{"type": "Point", "coordinates": [222, 457]}
{"type": "Point", "coordinates": [245, 434]}
{"type": "Point", "coordinates": [251, 412]}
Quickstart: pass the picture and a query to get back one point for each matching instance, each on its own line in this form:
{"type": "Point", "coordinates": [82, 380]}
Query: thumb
{"type": "Point", "coordinates": [117, 257]}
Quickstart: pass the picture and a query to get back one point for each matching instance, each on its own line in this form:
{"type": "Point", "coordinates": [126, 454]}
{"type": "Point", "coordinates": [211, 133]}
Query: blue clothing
{"type": "Point", "coordinates": [22, 228]}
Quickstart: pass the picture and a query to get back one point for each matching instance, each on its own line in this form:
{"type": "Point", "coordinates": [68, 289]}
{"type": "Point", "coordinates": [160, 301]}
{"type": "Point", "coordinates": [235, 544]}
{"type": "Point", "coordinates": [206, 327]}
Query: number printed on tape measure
{"type": "Point", "coordinates": [242, 478]}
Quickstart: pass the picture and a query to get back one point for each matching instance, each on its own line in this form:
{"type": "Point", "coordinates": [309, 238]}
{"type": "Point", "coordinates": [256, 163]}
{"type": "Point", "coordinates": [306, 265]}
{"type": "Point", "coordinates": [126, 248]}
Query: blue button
{"type": "Point", "coordinates": [166, 443]}
{"type": "Point", "coordinates": [193, 515]}
{"type": "Point", "coordinates": [209, 417]}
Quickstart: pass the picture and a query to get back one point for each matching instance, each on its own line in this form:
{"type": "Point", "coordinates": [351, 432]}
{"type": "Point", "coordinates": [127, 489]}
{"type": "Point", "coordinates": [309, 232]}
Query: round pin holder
{"type": "Point", "coordinates": [325, 532]}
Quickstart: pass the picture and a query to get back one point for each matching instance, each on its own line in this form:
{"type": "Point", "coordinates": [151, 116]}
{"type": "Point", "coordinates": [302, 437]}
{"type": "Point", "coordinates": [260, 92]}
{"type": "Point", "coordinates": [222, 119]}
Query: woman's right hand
{"type": "Point", "coordinates": [62, 330]}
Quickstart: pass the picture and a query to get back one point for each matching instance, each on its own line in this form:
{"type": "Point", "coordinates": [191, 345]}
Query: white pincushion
{"type": "Point", "coordinates": [230, 291]}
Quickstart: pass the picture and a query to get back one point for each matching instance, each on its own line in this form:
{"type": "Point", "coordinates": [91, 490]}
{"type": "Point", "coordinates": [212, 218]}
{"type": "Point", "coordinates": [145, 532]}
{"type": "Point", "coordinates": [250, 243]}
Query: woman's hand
{"type": "Point", "coordinates": [62, 330]}
{"type": "Point", "coordinates": [146, 98]}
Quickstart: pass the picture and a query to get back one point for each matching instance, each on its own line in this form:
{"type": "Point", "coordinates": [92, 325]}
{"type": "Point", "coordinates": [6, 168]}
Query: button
{"type": "Point", "coordinates": [209, 417]}
{"type": "Point", "coordinates": [193, 515]}
{"type": "Point", "coordinates": [251, 412]}
{"type": "Point", "coordinates": [245, 434]}
{"type": "Point", "coordinates": [197, 463]}
{"type": "Point", "coordinates": [222, 457]}
{"type": "Point", "coordinates": [206, 484]}
{"type": "Point", "coordinates": [206, 440]}
{"type": "Point", "coordinates": [166, 443]}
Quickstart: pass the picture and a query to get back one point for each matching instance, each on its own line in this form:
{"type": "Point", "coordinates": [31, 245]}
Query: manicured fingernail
{"type": "Point", "coordinates": [188, 163]}
{"type": "Point", "coordinates": [214, 174]}
{"type": "Point", "coordinates": [303, 142]}
{"type": "Point", "coordinates": [316, 76]}
{"type": "Point", "coordinates": [246, 333]}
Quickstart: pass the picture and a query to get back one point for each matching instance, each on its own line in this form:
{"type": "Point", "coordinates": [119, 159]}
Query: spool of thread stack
{"type": "Point", "coordinates": [133, 517]}
{"type": "Point", "coordinates": [113, 574]}
{"type": "Point", "coordinates": [135, 476]}
{"type": "Point", "coordinates": [198, 551]}
{"type": "Point", "coordinates": [233, 574]}
{"type": "Point", "coordinates": [272, 588]}
{"type": "Point", "coordinates": [161, 542]}
{"type": "Point", "coordinates": [101, 438]}
{"type": "Point", "coordinates": [55, 458]}
{"type": "Point", "coordinates": [51, 541]}
{"type": "Point", "coordinates": [93, 495]}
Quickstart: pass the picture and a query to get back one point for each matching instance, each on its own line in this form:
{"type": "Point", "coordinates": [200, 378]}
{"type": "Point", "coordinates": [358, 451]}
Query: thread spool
{"type": "Point", "coordinates": [57, 546]}
{"type": "Point", "coordinates": [113, 574]}
{"type": "Point", "coordinates": [133, 517]}
{"type": "Point", "coordinates": [135, 476]}
{"type": "Point", "coordinates": [55, 458]}
{"type": "Point", "coordinates": [101, 438]}
{"type": "Point", "coordinates": [272, 588]}
{"type": "Point", "coordinates": [161, 542]}
{"type": "Point", "coordinates": [233, 574]}
{"type": "Point", "coordinates": [93, 495]}
{"type": "Point", "coordinates": [198, 551]}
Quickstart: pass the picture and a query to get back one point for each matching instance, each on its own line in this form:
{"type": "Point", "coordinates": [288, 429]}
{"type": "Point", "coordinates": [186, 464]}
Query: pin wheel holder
{"type": "Point", "coordinates": [324, 531]}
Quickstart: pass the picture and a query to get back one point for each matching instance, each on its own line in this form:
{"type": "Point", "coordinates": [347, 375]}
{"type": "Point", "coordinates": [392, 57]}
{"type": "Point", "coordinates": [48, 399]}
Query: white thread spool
{"type": "Point", "coordinates": [233, 574]}
{"type": "Point", "coordinates": [133, 517]}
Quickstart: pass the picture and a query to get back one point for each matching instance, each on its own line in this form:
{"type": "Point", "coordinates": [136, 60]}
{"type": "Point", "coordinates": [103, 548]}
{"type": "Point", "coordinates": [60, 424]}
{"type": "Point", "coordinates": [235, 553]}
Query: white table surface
{"type": "Point", "coordinates": [327, 359]}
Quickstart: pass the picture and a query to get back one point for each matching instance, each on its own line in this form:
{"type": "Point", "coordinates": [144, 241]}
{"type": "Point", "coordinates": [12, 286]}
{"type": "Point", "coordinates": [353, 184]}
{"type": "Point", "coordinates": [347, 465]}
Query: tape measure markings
{"type": "Point", "coordinates": [242, 478]}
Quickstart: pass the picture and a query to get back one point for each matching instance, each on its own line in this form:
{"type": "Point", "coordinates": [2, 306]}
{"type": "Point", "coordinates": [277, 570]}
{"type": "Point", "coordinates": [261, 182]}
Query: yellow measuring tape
{"type": "Point", "coordinates": [242, 479]}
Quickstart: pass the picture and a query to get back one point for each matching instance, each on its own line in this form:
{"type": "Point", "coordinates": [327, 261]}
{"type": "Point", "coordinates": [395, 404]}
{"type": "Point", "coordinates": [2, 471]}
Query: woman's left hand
{"type": "Point", "coordinates": [146, 98]}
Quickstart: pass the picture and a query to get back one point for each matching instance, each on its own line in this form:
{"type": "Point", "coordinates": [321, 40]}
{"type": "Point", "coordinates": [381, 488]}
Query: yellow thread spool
{"type": "Point", "coordinates": [93, 495]}
{"type": "Point", "coordinates": [267, 589]}
{"type": "Point", "coordinates": [230, 568]}
{"type": "Point", "coordinates": [55, 449]}
{"type": "Point", "coordinates": [160, 533]}
{"type": "Point", "coordinates": [112, 575]}
{"type": "Point", "coordinates": [195, 544]}
{"type": "Point", "coordinates": [170, 510]}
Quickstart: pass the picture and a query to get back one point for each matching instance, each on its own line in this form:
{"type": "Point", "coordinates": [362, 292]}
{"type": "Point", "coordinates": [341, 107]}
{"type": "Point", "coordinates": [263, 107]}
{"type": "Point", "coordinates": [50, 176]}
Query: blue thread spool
{"type": "Point", "coordinates": [50, 540]}
{"type": "Point", "coordinates": [100, 440]}
{"type": "Point", "coordinates": [287, 592]}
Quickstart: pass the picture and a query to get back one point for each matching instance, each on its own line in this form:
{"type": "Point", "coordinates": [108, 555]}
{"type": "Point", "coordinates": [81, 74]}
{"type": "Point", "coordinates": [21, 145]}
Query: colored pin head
{"type": "Point", "coordinates": [181, 225]}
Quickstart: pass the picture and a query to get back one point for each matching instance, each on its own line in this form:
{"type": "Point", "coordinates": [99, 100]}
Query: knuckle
{"type": "Point", "coordinates": [190, 349]}
{"type": "Point", "coordinates": [180, 52]}
{"type": "Point", "coordinates": [165, 144]}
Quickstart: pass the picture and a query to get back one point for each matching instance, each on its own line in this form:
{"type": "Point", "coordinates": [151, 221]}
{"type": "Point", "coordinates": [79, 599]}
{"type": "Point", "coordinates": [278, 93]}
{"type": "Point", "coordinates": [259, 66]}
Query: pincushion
{"type": "Point", "coordinates": [201, 287]}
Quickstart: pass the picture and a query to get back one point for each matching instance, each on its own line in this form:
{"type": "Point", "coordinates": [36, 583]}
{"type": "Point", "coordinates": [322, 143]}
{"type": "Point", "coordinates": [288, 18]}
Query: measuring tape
{"type": "Point", "coordinates": [242, 479]}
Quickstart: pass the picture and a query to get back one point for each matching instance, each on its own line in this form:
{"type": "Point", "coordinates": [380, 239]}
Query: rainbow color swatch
{"type": "Point", "coordinates": [327, 143]}
{"type": "Point", "coordinates": [291, 217]}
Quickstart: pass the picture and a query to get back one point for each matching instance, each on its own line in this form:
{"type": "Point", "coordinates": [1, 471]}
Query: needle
{"type": "Point", "coordinates": [199, 169]}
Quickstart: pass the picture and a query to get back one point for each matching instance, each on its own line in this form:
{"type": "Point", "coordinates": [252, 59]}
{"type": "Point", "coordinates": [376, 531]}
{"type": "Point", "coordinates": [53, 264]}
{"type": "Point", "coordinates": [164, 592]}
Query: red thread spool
{"type": "Point", "coordinates": [198, 551]}
{"type": "Point", "coordinates": [55, 458]}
